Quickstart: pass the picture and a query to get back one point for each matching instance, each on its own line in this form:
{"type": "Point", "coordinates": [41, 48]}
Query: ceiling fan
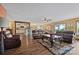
{"type": "Point", "coordinates": [47, 19]}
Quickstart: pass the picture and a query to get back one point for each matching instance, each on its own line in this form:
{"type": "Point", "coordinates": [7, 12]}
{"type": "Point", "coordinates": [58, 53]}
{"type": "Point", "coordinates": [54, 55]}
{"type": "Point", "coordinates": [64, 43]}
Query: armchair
{"type": "Point", "coordinates": [12, 41]}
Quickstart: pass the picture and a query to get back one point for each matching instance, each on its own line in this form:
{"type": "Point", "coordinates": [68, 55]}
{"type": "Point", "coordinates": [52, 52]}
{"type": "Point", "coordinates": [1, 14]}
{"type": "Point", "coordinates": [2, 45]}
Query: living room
{"type": "Point", "coordinates": [52, 27]}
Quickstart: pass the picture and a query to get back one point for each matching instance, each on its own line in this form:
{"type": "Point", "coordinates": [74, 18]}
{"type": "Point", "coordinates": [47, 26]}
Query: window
{"type": "Point", "coordinates": [60, 27]}
{"type": "Point", "coordinates": [57, 28]}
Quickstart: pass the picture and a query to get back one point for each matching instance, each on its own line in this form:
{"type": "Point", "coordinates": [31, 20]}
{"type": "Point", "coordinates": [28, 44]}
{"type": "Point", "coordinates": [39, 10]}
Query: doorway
{"type": "Point", "coordinates": [22, 29]}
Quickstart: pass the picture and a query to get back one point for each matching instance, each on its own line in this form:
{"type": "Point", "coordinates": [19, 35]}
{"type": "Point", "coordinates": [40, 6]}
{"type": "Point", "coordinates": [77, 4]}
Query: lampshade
{"type": "Point", "coordinates": [2, 11]}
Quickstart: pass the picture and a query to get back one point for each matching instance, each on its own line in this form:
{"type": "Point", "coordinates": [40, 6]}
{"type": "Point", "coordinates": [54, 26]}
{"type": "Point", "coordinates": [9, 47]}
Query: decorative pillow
{"type": "Point", "coordinates": [8, 34]}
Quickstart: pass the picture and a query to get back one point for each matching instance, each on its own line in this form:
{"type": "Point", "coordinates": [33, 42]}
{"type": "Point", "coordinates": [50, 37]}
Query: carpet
{"type": "Point", "coordinates": [57, 49]}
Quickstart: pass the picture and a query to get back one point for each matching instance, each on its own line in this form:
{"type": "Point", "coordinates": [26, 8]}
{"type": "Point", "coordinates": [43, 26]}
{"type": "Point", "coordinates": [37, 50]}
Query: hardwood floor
{"type": "Point", "coordinates": [34, 48]}
{"type": "Point", "coordinates": [75, 50]}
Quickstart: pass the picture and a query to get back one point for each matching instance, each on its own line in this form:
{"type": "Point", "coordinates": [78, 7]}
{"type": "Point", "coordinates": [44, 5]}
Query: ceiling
{"type": "Point", "coordinates": [35, 12]}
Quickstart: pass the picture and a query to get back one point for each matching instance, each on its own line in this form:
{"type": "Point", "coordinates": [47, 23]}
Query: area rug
{"type": "Point", "coordinates": [57, 49]}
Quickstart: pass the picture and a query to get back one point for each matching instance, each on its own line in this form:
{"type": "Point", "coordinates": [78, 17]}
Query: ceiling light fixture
{"type": "Point", "coordinates": [46, 19]}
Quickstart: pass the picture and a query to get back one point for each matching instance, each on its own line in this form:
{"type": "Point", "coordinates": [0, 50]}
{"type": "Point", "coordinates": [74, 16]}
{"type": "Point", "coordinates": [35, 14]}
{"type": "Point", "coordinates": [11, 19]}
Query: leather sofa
{"type": "Point", "coordinates": [37, 34]}
{"type": "Point", "coordinates": [10, 43]}
{"type": "Point", "coordinates": [67, 35]}
{"type": "Point", "coordinates": [13, 42]}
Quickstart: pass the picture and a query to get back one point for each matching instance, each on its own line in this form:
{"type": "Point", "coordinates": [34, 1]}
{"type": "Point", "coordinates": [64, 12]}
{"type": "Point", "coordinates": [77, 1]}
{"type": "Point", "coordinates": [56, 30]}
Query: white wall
{"type": "Point", "coordinates": [36, 12]}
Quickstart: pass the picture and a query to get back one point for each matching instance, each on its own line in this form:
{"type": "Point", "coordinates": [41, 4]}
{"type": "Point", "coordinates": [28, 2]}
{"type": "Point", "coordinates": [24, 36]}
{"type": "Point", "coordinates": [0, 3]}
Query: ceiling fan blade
{"type": "Point", "coordinates": [45, 19]}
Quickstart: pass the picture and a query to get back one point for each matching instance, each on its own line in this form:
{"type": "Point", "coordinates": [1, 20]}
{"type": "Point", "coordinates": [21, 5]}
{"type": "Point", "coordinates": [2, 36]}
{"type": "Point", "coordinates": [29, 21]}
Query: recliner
{"type": "Point", "coordinates": [12, 42]}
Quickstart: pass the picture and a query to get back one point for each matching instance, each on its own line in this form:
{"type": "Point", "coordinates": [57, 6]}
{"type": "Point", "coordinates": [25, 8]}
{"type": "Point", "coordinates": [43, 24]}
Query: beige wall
{"type": "Point", "coordinates": [69, 23]}
{"type": "Point", "coordinates": [48, 27]}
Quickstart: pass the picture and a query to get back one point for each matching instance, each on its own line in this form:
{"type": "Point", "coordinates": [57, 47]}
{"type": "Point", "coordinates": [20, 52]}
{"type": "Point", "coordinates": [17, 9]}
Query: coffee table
{"type": "Point", "coordinates": [57, 38]}
{"type": "Point", "coordinates": [52, 38]}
